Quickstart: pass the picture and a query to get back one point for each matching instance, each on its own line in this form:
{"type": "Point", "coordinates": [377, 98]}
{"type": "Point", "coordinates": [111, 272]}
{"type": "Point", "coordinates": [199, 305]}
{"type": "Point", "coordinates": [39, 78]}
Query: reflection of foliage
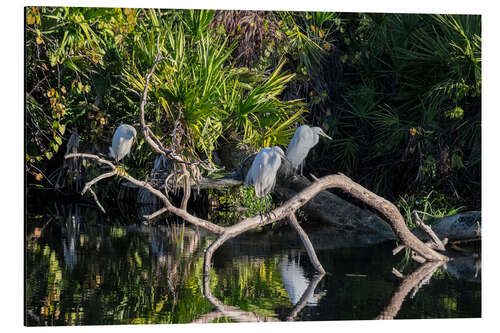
{"type": "Point", "coordinates": [252, 285]}
{"type": "Point", "coordinates": [137, 275]}
{"type": "Point", "coordinates": [122, 278]}
{"type": "Point", "coordinates": [154, 275]}
{"type": "Point", "coordinates": [45, 259]}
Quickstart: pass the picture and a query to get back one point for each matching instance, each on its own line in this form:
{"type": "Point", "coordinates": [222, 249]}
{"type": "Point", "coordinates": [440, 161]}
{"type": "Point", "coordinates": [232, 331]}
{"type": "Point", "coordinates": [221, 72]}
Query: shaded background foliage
{"type": "Point", "coordinates": [399, 93]}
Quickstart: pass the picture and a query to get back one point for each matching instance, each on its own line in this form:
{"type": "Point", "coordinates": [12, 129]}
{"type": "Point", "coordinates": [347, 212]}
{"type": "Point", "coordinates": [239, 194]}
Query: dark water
{"type": "Point", "coordinates": [84, 268]}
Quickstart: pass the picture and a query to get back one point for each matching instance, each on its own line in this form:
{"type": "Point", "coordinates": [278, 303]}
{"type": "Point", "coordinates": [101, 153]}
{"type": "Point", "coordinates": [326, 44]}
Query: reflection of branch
{"type": "Point", "coordinates": [236, 313]}
{"type": "Point", "coordinates": [209, 317]}
{"type": "Point", "coordinates": [305, 297]}
{"type": "Point", "coordinates": [232, 312]}
{"type": "Point", "coordinates": [414, 280]}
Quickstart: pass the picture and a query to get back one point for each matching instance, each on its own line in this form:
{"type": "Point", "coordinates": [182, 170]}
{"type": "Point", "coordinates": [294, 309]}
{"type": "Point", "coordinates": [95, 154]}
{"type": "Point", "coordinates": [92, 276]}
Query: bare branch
{"type": "Point", "coordinates": [91, 156]}
{"type": "Point", "coordinates": [97, 200]}
{"type": "Point", "coordinates": [397, 273]}
{"type": "Point", "coordinates": [307, 243]}
{"type": "Point", "coordinates": [187, 187]}
{"type": "Point", "coordinates": [97, 179]}
{"type": "Point", "coordinates": [398, 249]}
{"type": "Point", "coordinates": [171, 208]}
{"type": "Point", "coordinates": [384, 207]}
{"type": "Point", "coordinates": [217, 183]}
{"type": "Point", "coordinates": [417, 258]}
{"type": "Point", "coordinates": [156, 214]}
{"type": "Point", "coordinates": [437, 242]}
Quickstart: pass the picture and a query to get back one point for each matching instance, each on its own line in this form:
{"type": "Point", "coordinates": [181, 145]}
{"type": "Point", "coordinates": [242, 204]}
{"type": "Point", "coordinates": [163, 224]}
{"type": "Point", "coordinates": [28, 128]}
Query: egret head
{"type": "Point", "coordinates": [319, 131]}
{"type": "Point", "coordinates": [280, 152]}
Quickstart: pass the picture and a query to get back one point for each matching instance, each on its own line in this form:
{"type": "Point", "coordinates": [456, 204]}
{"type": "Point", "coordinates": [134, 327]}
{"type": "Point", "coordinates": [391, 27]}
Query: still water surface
{"type": "Point", "coordinates": [83, 268]}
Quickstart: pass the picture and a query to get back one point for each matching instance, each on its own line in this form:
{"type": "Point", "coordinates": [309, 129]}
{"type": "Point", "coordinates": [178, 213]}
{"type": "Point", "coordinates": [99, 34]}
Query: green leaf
{"type": "Point", "coordinates": [54, 146]}
{"type": "Point", "coordinates": [58, 140]}
{"type": "Point", "coordinates": [62, 129]}
{"type": "Point", "coordinates": [48, 155]}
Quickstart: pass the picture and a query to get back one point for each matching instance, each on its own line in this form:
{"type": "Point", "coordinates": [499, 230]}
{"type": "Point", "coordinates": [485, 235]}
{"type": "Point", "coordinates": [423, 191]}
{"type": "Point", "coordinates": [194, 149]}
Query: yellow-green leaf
{"type": "Point", "coordinates": [62, 129]}
{"type": "Point", "coordinates": [30, 19]}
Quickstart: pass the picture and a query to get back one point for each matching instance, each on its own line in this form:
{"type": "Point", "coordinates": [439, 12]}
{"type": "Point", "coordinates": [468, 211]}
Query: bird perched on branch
{"type": "Point", "coordinates": [122, 141]}
{"type": "Point", "coordinates": [303, 140]}
{"type": "Point", "coordinates": [262, 172]}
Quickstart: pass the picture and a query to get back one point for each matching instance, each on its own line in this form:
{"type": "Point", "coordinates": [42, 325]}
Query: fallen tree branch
{"type": "Point", "coordinates": [386, 208]}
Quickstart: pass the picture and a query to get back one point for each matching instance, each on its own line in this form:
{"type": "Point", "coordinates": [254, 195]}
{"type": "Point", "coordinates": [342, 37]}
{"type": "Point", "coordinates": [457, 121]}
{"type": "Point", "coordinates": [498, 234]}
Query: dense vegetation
{"type": "Point", "coordinates": [399, 93]}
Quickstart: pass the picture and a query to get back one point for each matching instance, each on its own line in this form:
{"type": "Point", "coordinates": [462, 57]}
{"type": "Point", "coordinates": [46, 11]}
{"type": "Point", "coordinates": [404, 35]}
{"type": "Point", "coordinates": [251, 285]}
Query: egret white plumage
{"type": "Point", "coordinates": [122, 141]}
{"type": "Point", "coordinates": [303, 140]}
{"type": "Point", "coordinates": [262, 172]}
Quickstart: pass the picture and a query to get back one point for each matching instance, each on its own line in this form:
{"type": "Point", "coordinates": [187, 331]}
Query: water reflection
{"type": "Point", "coordinates": [294, 279]}
{"type": "Point", "coordinates": [85, 268]}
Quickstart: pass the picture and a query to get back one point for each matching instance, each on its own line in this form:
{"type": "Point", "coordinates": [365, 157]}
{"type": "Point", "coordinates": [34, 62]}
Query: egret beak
{"type": "Point", "coordinates": [324, 134]}
{"type": "Point", "coordinates": [285, 158]}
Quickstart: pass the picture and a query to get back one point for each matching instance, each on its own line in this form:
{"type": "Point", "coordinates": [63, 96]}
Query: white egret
{"type": "Point", "coordinates": [262, 172]}
{"type": "Point", "coordinates": [303, 140]}
{"type": "Point", "coordinates": [122, 141]}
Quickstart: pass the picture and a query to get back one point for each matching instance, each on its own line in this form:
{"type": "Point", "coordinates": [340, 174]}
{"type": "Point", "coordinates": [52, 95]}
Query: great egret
{"type": "Point", "coordinates": [122, 141]}
{"type": "Point", "coordinates": [303, 140]}
{"type": "Point", "coordinates": [262, 173]}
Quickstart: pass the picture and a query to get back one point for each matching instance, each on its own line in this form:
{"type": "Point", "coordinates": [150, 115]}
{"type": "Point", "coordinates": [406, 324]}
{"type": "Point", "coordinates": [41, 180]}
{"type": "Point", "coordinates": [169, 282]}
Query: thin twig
{"type": "Point", "coordinates": [435, 239]}
{"type": "Point", "coordinates": [398, 249]}
{"type": "Point", "coordinates": [155, 214]}
{"type": "Point", "coordinates": [397, 273]}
